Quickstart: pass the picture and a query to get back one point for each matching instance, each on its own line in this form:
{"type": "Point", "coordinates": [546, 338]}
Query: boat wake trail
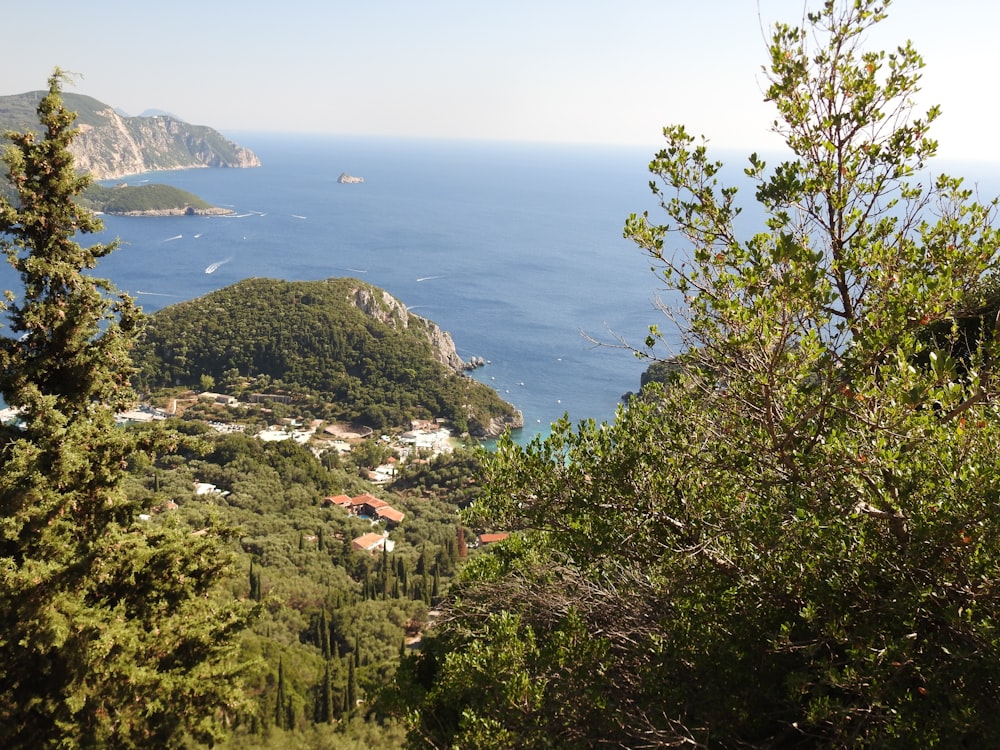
{"type": "Point", "coordinates": [213, 267]}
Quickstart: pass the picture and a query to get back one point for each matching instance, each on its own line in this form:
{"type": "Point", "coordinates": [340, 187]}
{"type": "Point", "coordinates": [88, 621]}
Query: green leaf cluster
{"type": "Point", "coordinates": [792, 540]}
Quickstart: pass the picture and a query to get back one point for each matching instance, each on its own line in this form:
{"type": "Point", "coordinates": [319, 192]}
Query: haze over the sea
{"type": "Point", "coordinates": [585, 71]}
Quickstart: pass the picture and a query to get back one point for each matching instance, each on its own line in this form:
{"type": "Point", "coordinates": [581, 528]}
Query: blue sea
{"type": "Point", "coordinates": [515, 249]}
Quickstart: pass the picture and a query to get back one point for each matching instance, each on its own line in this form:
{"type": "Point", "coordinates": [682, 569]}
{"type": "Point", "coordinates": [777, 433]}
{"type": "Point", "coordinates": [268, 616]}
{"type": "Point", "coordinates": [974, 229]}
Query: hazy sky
{"type": "Point", "coordinates": [602, 71]}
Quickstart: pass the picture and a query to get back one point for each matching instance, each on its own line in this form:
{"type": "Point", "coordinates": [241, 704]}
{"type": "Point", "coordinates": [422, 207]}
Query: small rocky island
{"type": "Point", "coordinates": [347, 179]}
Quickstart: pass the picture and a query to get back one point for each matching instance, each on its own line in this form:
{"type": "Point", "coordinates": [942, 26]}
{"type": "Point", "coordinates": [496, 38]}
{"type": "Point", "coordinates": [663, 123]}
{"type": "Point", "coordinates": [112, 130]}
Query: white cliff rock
{"type": "Point", "coordinates": [383, 307]}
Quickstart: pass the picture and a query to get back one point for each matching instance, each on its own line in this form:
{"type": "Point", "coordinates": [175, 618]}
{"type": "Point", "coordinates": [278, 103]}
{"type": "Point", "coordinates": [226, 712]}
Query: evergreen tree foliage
{"type": "Point", "coordinates": [281, 700]}
{"type": "Point", "coordinates": [113, 632]}
{"type": "Point", "coordinates": [793, 541]}
{"type": "Point", "coordinates": [325, 712]}
{"type": "Point", "coordinates": [351, 694]}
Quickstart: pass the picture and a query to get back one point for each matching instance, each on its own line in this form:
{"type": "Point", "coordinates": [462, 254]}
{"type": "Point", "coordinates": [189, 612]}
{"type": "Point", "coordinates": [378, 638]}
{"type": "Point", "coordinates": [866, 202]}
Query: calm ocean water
{"type": "Point", "coordinates": [514, 249]}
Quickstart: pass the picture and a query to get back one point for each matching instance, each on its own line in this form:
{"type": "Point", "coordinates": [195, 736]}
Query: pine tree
{"type": "Point", "coordinates": [110, 634]}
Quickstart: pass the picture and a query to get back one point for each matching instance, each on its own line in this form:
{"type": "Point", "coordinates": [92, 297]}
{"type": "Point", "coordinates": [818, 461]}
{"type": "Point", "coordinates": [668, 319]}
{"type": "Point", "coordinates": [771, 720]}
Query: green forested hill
{"type": "Point", "coordinates": [313, 339]}
{"type": "Point", "coordinates": [145, 199]}
{"type": "Point", "coordinates": [137, 200]}
{"type": "Point", "coordinates": [18, 111]}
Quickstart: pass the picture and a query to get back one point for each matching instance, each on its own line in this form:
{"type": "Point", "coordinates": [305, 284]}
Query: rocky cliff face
{"type": "Point", "coordinates": [117, 146]}
{"type": "Point", "coordinates": [382, 306]}
{"type": "Point", "coordinates": [111, 146]}
{"type": "Point", "coordinates": [497, 426]}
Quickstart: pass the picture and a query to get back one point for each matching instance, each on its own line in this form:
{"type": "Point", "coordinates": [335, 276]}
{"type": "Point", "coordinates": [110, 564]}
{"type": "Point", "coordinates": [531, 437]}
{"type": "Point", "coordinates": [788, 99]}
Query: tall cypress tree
{"type": "Point", "coordinates": [281, 699]}
{"type": "Point", "coordinates": [109, 634]}
{"type": "Point", "coordinates": [325, 714]}
{"type": "Point", "coordinates": [255, 592]}
{"type": "Point", "coordinates": [352, 686]}
{"type": "Point", "coordinates": [324, 634]}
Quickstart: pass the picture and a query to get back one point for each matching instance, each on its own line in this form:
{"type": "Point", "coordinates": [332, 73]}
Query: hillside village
{"type": "Point", "coordinates": [425, 440]}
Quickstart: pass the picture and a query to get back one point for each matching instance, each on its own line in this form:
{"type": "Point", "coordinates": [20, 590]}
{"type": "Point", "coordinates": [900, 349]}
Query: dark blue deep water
{"type": "Point", "coordinates": [515, 249]}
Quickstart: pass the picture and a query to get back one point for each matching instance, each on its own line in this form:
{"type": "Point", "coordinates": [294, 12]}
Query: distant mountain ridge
{"type": "Point", "coordinates": [110, 145]}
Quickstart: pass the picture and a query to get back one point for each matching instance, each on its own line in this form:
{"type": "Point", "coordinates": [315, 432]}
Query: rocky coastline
{"type": "Point", "coordinates": [177, 211]}
{"type": "Point", "coordinates": [498, 426]}
{"type": "Point", "coordinates": [120, 146]}
{"type": "Point", "coordinates": [382, 306]}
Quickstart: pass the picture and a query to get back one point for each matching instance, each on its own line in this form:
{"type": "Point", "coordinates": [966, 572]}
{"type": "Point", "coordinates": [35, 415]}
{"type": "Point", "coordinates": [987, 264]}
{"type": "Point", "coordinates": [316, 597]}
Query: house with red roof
{"type": "Point", "coordinates": [391, 516]}
{"type": "Point", "coordinates": [372, 543]}
{"type": "Point", "coordinates": [340, 501]}
{"type": "Point", "coordinates": [368, 506]}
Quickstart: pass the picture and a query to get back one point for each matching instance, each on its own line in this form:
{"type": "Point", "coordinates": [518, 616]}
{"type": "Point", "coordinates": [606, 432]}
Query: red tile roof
{"type": "Point", "coordinates": [490, 538]}
{"type": "Point", "coordinates": [391, 514]}
{"type": "Point", "coordinates": [368, 542]}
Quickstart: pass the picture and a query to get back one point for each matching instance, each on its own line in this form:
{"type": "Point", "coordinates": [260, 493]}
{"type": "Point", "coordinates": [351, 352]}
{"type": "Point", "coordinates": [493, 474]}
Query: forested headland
{"type": "Point", "coordinates": [146, 200]}
{"type": "Point", "coordinates": [340, 347]}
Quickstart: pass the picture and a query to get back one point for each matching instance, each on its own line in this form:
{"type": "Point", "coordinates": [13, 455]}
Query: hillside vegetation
{"type": "Point", "coordinates": [332, 621]}
{"type": "Point", "coordinates": [313, 341]}
{"type": "Point", "coordinates": [127, 200]}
